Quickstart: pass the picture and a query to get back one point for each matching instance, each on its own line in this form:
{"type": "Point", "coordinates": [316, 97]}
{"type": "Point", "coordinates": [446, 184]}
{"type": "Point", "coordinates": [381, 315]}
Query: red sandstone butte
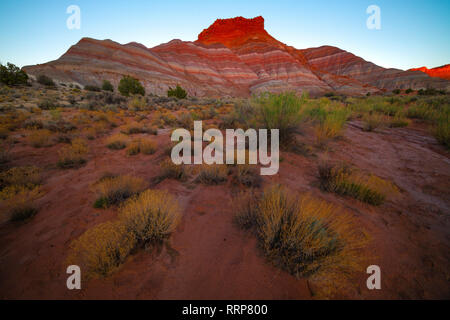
{"type": "Point", "coordinates": [442, 72]}
{"type": "Point", "coordinates": [233, 57]}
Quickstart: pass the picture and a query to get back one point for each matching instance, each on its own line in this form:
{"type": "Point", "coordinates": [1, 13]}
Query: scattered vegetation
{"type": "Point", "coordinates": [74, 155]}
{"type": "Point", "coordinates": [117, 141]}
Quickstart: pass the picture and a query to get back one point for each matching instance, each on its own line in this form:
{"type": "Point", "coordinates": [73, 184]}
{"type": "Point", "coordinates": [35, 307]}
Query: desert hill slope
{"type": "Point", "coordinates": [233, 57]}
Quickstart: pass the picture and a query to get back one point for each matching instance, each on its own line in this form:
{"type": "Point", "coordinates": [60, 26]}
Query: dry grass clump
{"type": "Point", "coordinates": [148, 146]}
{"type": "Point", "coordinates": [74, 155]}
{"type": "Point", "coordinates": [343, 180]}
{"type": "Point", "coordinates": [331, 125]}
{"type": "Point", "coordinates": [135, 128]}
{"type": "Point", "coordinates": [398, 121]}
{"type": "Point", "coordinates": [28, 176]}
{"type": "Point", "coordinates": [133, 148]}
{"type": "Point", "coordinates": [4, 132]}
{"type": "Point", "coordinates": [113, 190]}
{"type": "Point", "coordinates": [212, 174]}
{"type": "Point", "coordinates": [102, 249]}
{"type": "Point", "coordinates": [150, 217]}
{"type": "Point", "coordinates": [248, 175]}
{"type": "Point", "coordinates": [304, 235]}
{"type": "Point", "coordinates": [117, 141]}
{"type": "Point", "coordinates": [373, 121]}
{"type": "Point", "coordinates": [143, 146]}
{"type": "Point", "coordinates": [169, 170]}
{"type": "Point", "coordinates": [17, 202]}
{"type": "Point", "coordinates": [40, 138]}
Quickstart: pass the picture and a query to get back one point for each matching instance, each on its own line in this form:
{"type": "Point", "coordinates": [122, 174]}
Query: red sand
{"type": "Point", "coordinates": [210, 258]}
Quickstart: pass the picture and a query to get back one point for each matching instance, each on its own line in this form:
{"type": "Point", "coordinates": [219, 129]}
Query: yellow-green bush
{"type": "Point", "coordinates": [151, 216]}
{"type": "Point", "coordinates": [100, 250]}
{"type": "Point", "coordinates": [117, 141]}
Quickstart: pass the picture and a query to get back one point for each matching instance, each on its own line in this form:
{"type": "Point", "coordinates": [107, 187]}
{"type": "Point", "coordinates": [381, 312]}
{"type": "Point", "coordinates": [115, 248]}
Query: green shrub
{"type": "Point", "coordinates": [442, 130]}
{"type": "Point", "coordinates": [280, 111]}
{"type": "Point", "coordinates": [107, 86]}
{"type": "Point", "coordinates": [396, 91]}
{"type": "Point", "coordinates": [129, 85]}
{"type": "Point", "coordinates": [178, 92]}
{"type": "Point", "coordinates": [12, 75]}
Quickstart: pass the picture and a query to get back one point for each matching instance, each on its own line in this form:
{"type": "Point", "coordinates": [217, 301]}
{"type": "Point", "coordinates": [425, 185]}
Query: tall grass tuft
{"type": "Point", "coordinates": [304, 235]}
{"type": "Point", "coordinates": [346, 181]}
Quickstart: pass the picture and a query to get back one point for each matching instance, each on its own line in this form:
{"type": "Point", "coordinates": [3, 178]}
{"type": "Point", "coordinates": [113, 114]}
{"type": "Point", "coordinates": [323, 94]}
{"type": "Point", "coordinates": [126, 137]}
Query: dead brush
{"type": "Point", "coordinates": [74, 155]}
{"type": "Point", "coordinates": [169, 170]}
{"type": "Point", "coordinates": [248, 175]}
{"type": "Point", "coordinates": [114, 190]}
{"type": "Point", "coordinates": [151, 216]}
{"type": "Point", "coordinates": [305, 236]}
{"type": "Point", "coordinates": [100, 250]}
{"type": "Point", "coordinates": [117, 141]}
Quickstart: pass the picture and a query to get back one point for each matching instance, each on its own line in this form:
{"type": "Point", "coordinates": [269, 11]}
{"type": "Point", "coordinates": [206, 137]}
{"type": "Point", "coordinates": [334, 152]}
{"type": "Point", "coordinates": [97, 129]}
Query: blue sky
{"type": "Point", "coordinates": [413, 33]}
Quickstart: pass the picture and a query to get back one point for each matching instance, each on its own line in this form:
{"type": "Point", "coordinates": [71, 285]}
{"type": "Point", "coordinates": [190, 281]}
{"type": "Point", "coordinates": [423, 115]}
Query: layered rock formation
{"type": "Point", "coordinates": [442, 72]}
{"type": "Point", "coordinates": [233, 57]}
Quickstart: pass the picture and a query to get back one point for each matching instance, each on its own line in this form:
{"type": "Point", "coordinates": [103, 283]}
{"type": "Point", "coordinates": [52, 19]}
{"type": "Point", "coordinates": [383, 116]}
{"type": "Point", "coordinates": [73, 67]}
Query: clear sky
{"type": "Point", "coordinates": [413, 33]}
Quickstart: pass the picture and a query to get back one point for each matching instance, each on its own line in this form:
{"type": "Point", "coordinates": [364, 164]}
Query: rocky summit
{"type": "Point", "coordinates": [233, 57]}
